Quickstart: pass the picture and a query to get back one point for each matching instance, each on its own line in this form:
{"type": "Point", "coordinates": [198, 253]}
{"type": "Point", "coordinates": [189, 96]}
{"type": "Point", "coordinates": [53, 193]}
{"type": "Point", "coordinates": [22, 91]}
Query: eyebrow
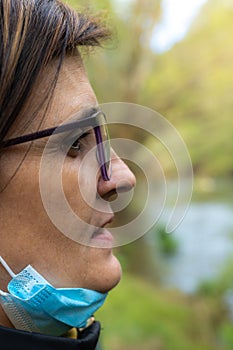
{"type": "Point", "coordinates": [84, 120]}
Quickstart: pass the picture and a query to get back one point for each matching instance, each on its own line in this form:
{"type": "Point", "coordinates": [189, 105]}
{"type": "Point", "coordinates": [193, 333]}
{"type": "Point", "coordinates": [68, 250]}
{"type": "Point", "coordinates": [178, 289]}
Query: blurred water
{"type": "Point", "coordinates": [205, 240]}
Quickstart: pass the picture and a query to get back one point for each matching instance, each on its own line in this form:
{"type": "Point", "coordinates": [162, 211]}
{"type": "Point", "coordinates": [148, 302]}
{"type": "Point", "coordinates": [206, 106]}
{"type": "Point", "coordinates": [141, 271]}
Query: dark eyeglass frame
{"type": "Point", "coordinates": [95, 121]}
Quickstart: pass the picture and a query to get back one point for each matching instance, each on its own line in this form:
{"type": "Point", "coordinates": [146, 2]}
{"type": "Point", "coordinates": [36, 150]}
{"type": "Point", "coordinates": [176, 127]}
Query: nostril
{"type": "Point", "coordinates": [122, 181]}
{"type": "Point", "coordinates": [124, 186]}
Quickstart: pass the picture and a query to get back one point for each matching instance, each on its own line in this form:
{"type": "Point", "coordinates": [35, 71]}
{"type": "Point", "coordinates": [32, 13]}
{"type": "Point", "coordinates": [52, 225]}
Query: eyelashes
{"type": "Point", "coordinates": [82, 144]}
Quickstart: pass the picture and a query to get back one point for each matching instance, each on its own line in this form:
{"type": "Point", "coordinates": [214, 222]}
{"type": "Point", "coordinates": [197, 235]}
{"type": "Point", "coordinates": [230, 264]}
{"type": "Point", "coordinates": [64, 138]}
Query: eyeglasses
{"type": "Point", "coordinates": [97, 122]}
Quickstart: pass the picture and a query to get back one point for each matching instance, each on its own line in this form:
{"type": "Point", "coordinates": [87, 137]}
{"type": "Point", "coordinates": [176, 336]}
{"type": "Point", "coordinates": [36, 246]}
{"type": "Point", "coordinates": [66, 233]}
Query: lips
{"type": "Point", "coordinates": [102, 234]}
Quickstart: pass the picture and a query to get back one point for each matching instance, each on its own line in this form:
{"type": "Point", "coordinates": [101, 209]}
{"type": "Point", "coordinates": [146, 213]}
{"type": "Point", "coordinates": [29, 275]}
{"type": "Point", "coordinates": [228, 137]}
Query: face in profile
{"type": "Point", "coordinates": [32, 237]}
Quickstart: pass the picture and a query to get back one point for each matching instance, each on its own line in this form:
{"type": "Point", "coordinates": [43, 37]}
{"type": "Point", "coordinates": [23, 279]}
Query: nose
{"type": "Point", "coordinates": [122, 179]}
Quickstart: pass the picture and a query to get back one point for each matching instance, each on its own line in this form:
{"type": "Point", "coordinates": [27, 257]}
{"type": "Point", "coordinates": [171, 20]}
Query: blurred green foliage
{"type": "Point", "coordinates": [217, 287]}
{"type": "Point", "coordinates": [167, 244]}
{"type": "Point", "coordinates": [191, 84]}
{"type": "Point", "coordinates": [227, 336]}
{"type": "Point", "coordinates": [139, 315]}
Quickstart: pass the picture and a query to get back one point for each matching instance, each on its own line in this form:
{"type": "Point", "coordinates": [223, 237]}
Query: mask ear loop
{"type": "Point", "coordinates": [7, 268]}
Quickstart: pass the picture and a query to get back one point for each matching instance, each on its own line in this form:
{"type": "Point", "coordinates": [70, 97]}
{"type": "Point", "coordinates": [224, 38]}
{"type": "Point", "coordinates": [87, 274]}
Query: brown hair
{"type": "Point", "coordinates": [32, 33]}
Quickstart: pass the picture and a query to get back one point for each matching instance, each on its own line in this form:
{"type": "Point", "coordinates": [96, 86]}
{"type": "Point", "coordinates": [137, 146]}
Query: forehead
{"type": "Point", "coordinates": [72, 95]}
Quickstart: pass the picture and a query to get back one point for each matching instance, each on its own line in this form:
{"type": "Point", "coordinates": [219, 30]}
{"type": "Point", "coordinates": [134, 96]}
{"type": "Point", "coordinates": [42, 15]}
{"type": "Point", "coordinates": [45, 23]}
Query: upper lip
{"type": "Point", "coordinates": [108, 221]}
{"type": "Point", "coordinates": [103, 224]}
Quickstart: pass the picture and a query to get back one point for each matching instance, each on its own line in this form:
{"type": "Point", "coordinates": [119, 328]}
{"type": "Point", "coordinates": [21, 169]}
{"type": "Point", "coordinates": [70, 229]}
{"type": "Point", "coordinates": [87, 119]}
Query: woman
{"type": "Point", "coordinates": [50, 283]}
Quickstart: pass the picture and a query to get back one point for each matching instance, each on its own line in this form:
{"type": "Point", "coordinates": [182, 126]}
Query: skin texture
{"type": "Point", "coordinates": [27, 235]}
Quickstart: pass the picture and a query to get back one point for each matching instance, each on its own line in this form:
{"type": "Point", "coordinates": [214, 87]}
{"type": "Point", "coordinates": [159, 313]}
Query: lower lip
{"type": "Point", "coordinates": [102, 235]}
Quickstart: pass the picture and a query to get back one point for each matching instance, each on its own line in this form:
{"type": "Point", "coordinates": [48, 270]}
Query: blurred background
{"type": "Point", "coordinates": [175, 57]}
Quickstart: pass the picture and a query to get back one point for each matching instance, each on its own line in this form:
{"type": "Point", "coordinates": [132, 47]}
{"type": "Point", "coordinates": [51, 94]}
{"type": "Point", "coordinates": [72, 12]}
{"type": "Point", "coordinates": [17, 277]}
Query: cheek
{"type": "Point", "coordinates": [13, 169]}
{"type": "Point", "coordinates": [23, 201]}
{"type": "Point", "coordinates": [26, 185]}
{"type": "Point", "coordinates": [79, 187]}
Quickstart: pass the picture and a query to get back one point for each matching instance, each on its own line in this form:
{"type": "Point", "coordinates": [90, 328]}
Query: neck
{"type": "Point", "coordinates": [4, 280]}
{"type": "Point", "coordinates": [4, 320]}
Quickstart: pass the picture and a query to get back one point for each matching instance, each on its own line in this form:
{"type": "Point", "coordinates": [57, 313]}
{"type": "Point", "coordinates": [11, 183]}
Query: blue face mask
{"type": "Point", "coordinates": [34, 305]}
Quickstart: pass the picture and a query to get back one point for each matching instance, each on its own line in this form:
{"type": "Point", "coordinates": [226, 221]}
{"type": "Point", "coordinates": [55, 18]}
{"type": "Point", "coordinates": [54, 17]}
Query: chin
{"type": "Point", "coordinates": [108, 277]}
{"type": "Point", "coordinates": [115, 275]}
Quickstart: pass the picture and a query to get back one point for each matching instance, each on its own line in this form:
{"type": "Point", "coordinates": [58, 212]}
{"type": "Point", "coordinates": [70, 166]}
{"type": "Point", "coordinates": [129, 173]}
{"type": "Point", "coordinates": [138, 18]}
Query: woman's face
{"type": "Point", "coordinates": [28, 236]}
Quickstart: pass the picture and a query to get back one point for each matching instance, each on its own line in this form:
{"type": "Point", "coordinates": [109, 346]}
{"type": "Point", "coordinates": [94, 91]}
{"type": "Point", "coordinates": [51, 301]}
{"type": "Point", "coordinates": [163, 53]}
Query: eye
{"type": "Point", "coordinates": [78, 145]}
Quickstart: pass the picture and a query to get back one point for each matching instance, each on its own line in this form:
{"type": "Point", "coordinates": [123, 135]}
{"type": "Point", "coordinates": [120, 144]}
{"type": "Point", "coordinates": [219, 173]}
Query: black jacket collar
{"type": "Point", "coordinates": [11, 339]}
